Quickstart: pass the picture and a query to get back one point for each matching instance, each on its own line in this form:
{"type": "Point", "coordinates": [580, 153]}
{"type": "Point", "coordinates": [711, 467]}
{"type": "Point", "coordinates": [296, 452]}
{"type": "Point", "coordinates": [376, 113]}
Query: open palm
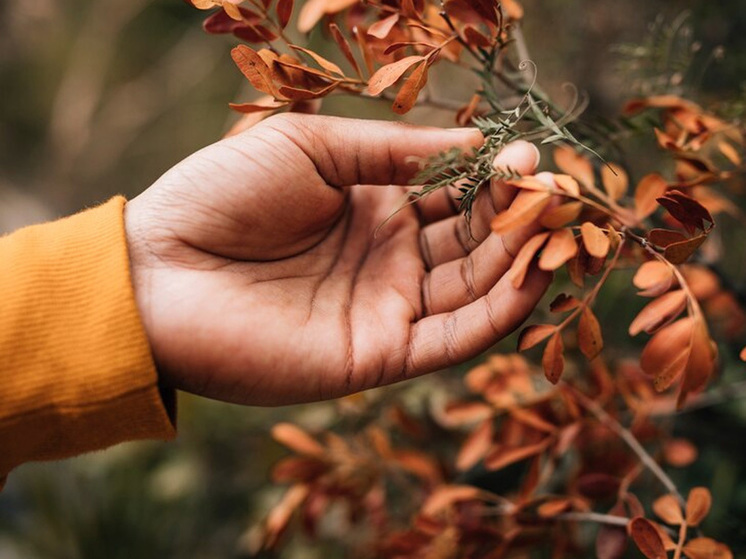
{"type": "Point", "coordinates": [265, 276]}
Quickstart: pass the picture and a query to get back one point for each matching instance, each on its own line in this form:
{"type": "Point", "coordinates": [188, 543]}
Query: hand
{"type": "Point", "coordinates": [262, 275]}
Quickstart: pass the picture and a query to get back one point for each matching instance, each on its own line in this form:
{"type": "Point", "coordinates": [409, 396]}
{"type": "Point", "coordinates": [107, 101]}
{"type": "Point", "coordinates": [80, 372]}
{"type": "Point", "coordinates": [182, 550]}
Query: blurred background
{"type": "Point", "coordinates": [100, 98]}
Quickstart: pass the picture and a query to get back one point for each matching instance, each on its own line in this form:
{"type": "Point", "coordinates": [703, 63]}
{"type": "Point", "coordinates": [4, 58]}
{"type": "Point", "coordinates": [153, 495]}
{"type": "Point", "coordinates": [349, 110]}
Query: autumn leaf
{"type": "Point", "coordinates": [553, 359]}
{"type": "Point", "coordinates": [665, 237]}
{"type": "Point", "coordinates": [320, 60]}
{"type": "Point", "coordinates": [615, 181]}
{"type": "Point", "coordinates": [445, 496]}
{"type": "Point", "coordinates": [383, 27]}
{"type": "Point", "coordinates": [654, 278]}
{"type": "Point", "coordinates": [255, 69]}
{"type": "Point", "coordinates": [526, 207]}
{"type": "Point", "coordinates": [590, 338]}
{"type": "Point", "coordinates": [666, 354]}
{"type": "Point", "coordinates": [645, 535]}
{"type": "Point", "coordinates": [502, 456]}
{"type": "Point", "coordinates": [679, 452]}
{"type": "Point", "coordinates": [386, 76]}
{"type": "Point", "coordinates": [572, 163]}
{"type": "Point", "coordinates": [706, 548]}
{"type": "Point", "coordinates": [659, 312]}
{"type": "Point", "coordinates": [564, 303]}
{"type": "Point", "coordinates": [560, 216]}
{"type": "Point", "coordinates": [296, 439]}
{"type": "Point", "coordinates": [534, 335]}
{"type": "Point", "coordinates": [523, 259]}
{"type": "Point", "coordinates": [649, 189]}
{"type": "Point", "coordinates": [344, 46]}
{"type": "Point", "coordinates": [668, 509]}
{"type": "Point", "coordinates": [476, 446]}
{"type": "Point", "coordinates": [554, 507]}
{"type": "Point", "coordinates": [678, 253]}
{"type": "Point", "coordinates": [284, 9]}
{"type": "Point", "coordinates": [410, 90]}
{"type": "Point", "coordinates": [698, 505]}
{"type": "Point", "coordinates": [595, 240]}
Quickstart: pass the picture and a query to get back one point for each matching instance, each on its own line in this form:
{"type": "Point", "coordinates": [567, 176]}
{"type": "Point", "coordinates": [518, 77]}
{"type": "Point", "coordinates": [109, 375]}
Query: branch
{"type": "Point", "coordinates": [627, 436]}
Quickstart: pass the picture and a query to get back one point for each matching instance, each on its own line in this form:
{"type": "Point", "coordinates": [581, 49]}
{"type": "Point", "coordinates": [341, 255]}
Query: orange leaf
{"type": "Point", "coordinates": [707, 548]}
{"type": "Point", "coordinates": [383, 27]}
{"type": "Point", "coordinates": [284, 10]}
{"type": "Point", "coordinates": [645, 535]}
{"type": "Point", "coordinates": [659, 312]}
{"type": "Point", "coordinates": [445, 496]}
{"type": "Point", "coordinates": [553, 359]}
{"type": "Point", "coordinates": [654, 278]}
{"type": "Point", "coordinates": [248, 108]}
{"type": "Point", "coordinates": [523, 259]}
{"type": "Point", "coordinates": [280, 515]}
{"type": "Point", "coordinates": [255, 69]}
{"type": "Point", "coordinates": [534, 335]}
{"type": "Point", "coordinates": [512, 9]}
{"type": "Point", "coordinates": [313, 10]}
{"type": "Point", "coordinates": [505, 456]}
{"type": "Point", "coordinates": [344, 46]}
{"type": "Point", "coordinates": [475, 446]}
{"type": "Point", "coordinates": [615, 181]}
{"type": "Point", "coordinates": [742, 355]}
{"type": "Point", "coordinates": [296, 439]}
{"type": "Point", "coordinates": [595, 240]}
{"type": "Point", "coordinates": [666, 354]}
{"type": "Point", "coordinates": [526, 207]}
{"type": "Point", "coordinates": [698, 505]}
{"type": "Point", "coordinates": [730, 153]}
{"type": "Point", "coordinates": [564, 303]}
{"type": "Point", "coordinates": [668, 509]}
{"type": "Point", "coordinates": [679, 452]}
{"type": "Point", "coordinates": [568, 184]}
{"type": "Point", "coordinates": [386, 76]}
{"type": "Point", "coordinates": [559, 216]}
{"type": "Point", "coordinates": [572, 163]}
{"type": "Point", "coordinates": [590, 339]}
{"type": "Point", "coordinates": [701, 362]}
{"type": "Point", "coordinates": [552, 508]}
{"type": "Point", "coordinates": [407, 96]}
{"type": "Point", "coordinates": [320, 60]}
{"type": "Point", "coordinates": [650, 188]}
{"type": "Point", "coordinates": [560, 248]}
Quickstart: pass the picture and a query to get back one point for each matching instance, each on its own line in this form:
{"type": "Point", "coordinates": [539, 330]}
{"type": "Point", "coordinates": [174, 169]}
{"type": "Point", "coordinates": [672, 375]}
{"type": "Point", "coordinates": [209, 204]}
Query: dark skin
{"type": "Point", "coordinates": [264, 275]}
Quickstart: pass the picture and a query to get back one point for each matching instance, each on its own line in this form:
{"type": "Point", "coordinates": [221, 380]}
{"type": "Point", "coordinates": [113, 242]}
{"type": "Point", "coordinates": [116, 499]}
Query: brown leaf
{"type": "Point", "coordinates": [534, 335]}
{"type": "Point", "coordinates": [615, 181]}
{"type": "Point", "coordinates": [297, 469]}
{"type": "Point", "coordinates": [383, 27]}
{"type": "Point", "coordinates": [249, 108]}
{"type": "Point", "coordinates": [284, 9]}
{"type": "Point", "coordinates": [407, 96]}
{"type": "Point", "coordinates": [665, 237]}
{"type": "Point", "coordinates": [572, 163]}
{"type": "Point", "coordinates": [387, 75]}
{"type": "Point", "coordinates": [701, 363]}
{"type": "Point", "coordinates": [300, 94]}
{"type": "Point", "coordinates": [707, 548]}
{"type": "Point", "coordinates": [590, 338]}
{"type": "Point", "coordinates": [344, 46]}
{"type": "Point", "coordinates": [313, 10]}
{"type": "Point", "coordinates": [562, 215]}
{"type": "Point", "coordinates": [475, 446]}
{"type": "Point", "coordinates": [730, 153]}
{"type": "Point", "coordinates": [564, 303]}
{"type": "Point", "coordinates": [679, 452]}
{"type": "Point", "coordinates": [503, 456]}
{"type": "Point", "coordinates": [526, 207]}
{"type": "Point", "coordinates": [320, 60]}
{"type": "Point", "coordinates": [296, 439]}
{"type": "Point", "coordinates": [659, 312]}
{"type": "Point", "coordinates": [560, 248]}
{"type": "Point", "coordinates": [668, 509]}
{"type": "Point", "coordinates": [678, 253]}
{"type": "Point", "coordinates": [553, 359]}
{"type": "Point", "coordinates": [280, 515]}
{"type": "Point", "coordinates": [445, 496]}
{"type": "Point", "coordinates": [255, 69]}
{"type": "Point", "coordinates": [698, 505]}
{"type": "Point", "coordinates": [654, 278]}
{"type": "Point", "coordinates": [522, 262]}
{"type": "Point", "coordinates": [666, 354]}
{"type": "Point", "coordinates": [595, 240]}
{"type": "Point", "coordinates": [646, 536]}
{"type": "Point", "coordinates": [650, 188]}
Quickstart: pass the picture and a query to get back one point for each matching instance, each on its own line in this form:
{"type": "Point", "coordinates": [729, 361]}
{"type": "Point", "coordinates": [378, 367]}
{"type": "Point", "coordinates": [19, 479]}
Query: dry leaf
{"type": "Point", "coordinates": [534, 335]}
{"type": "Point", "coordinates": [564, 303]}
{"type": "Point", "coordinates": [647, 538]}
{"type": "Point", "coordinates": [445, 496]}
{"type": "Point", "coordinates": [668, 509]}
{"type": "Point", "coordinates": [284, 9]}
{"type": "Point", "coordinates": [572, 163]}
{"type": "Point", "coordinates": [296, 439]}
{"type": "Point", "coordinates": [553, 359]}
{"type": "Point", "coordinates": [526, 207]}
{"type": "Point", "coordinates": [706, 548]}
{"type": "Point", "coordinates": [505, 456]}
{"type": "Point", "coordinates": [383, 27]}
{"type": "Point", "coordinates": [386, 76]}
{"type": "Point", "coordinates": [659, 312]}
{"type": "Point", "coordinates": [476, 446]}
{"type": "Point", "coordinates": [407, 96]}
{"type": "Point", "coordinates": [650, 188]}
{"type": "Point", "coordinates": [654, 278]}
{"type": "Point", "coordinates": [595, 240]}
{"type": "Point", "coordinates": [522, 261]}
{"type": "Point", "coordinates": [678, 253]}
{"type": "Point", "coordinates": [679, 452]}
{"type": "Point", "coordinates": [698, 505]}
{"type": "Point", "coordinates": [562, 215]}
{"type": "Point", "coordinates": [615, 181]}
{"type": "Point", "coordinates": [560, 248]}
{"type": "Point", "coordinates": [590, 338]}
{"type": "Point", "coordinates": [666, 354]}
{"type": "Point", "coordinates": [664, 237]}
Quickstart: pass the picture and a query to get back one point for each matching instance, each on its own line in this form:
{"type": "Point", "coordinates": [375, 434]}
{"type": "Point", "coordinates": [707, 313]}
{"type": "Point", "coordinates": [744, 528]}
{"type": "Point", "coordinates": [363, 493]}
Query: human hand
{"type": "Point", "coordinates": [261, 278]}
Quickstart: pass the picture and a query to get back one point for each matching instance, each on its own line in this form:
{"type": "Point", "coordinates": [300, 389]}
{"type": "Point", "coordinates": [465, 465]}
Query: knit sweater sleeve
{"type": "Point", "coordinates": [77, 373]}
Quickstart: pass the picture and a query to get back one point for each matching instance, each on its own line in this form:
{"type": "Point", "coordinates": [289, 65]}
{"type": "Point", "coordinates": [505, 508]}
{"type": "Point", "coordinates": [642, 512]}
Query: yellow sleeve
{"type": "Point", "coordinates": [77, 373]}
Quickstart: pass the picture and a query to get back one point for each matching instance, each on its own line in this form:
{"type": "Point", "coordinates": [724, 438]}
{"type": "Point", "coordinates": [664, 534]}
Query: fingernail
{"type": "Point", "coordinates": [517, 148]}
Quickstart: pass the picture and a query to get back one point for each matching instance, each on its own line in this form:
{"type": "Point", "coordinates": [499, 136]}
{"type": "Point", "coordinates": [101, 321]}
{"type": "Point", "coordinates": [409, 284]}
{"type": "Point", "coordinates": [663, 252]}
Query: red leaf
{"type": "Point", "coordinates": [284, 10]}
{"type": "Point", "coordinates": [646, 536]}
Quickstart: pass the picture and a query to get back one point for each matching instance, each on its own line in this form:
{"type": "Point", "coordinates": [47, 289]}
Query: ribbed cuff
{"type": "Point", "coordinates": [77, 371]}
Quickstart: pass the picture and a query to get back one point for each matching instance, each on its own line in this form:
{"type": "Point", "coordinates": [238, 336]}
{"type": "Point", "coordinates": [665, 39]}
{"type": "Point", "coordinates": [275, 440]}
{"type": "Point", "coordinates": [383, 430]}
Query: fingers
{"type": "Point", "coordinates": [348, 151]}
{"type": "Point", "coordinates": [453, 237]}
{"type": "Point", "coordinates": [445, 339]}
